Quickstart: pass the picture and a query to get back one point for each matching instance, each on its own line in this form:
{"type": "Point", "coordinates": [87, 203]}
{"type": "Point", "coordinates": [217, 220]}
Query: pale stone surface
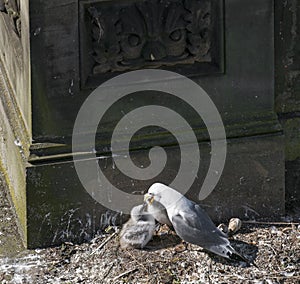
{"type": "Point", "coordinates": [15, 109]}
{"type": "Point", "coordinates": [15, 56]}
{"type": "Point", "coordinates": [12, 166]}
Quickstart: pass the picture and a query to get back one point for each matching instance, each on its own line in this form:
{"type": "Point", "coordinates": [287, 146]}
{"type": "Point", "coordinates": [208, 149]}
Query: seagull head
{"type": "Point", "coordinates": [150, 197]}
{"type": "Point", "coordinates": [137, 210]}
{"type": "Point", "coordinates": [163, 194]}
{"type": "Point", "coordinates": [154, 192]}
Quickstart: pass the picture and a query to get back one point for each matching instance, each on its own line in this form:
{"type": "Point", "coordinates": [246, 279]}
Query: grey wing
{"type": "Point", "coordinates": [193, 225]}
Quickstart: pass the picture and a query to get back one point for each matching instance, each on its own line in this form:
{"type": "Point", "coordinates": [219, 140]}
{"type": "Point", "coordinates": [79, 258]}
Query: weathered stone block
{"type": "Point", "coordinates": [287, 92]}
{"type": "Point", "coordinates": [15, 102]}
{"type": "Point", "coordinates": [293, 184]}
{"type": "Point", "coordinates": [252, 186]}
{"type": "Point", "coordinates": [227, 47]}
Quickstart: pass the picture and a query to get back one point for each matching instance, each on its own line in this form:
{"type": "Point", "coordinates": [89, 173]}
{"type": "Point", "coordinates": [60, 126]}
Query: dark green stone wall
{"type": "Point", "coordinates": [287, 88]}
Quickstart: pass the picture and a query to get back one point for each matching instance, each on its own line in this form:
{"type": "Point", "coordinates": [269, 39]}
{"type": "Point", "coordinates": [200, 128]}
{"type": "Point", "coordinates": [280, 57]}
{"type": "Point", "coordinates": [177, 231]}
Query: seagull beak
{"type": "Point", "coordinates": [148, 198]}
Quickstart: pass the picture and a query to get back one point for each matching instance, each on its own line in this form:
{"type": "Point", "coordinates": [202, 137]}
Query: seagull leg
{"type": "Point", "coordinates": [181, 247]}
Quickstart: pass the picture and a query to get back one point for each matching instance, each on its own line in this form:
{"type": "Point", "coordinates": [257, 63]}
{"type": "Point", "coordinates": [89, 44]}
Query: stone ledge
{"type": "Point", "coordinates": [252, 186]}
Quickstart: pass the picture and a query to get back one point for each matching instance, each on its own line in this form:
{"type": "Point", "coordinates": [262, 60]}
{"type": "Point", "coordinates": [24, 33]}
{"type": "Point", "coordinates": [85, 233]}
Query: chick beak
{"type": "Point", "coordinates": [144, 206]}
{"type": "Point", "coordinates": [148, 198]}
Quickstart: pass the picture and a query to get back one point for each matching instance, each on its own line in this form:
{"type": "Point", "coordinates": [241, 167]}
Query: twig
{"type": "Point", "coordinates": [137, 262]}
{"type": "Point", "coordinates": [269, 246]}
{"type": "Point", "coordinates": [239, 276]}
{"type": "Point", "coordinates": [271, 223]}
{"type": "Point", "coordinates": [125, 273]}
{"type": "Point", "coordinates": [163, 261]}
{"type": "Point", "coordinates": [108, 270]}
{"type": "Point", "coordinates": [104, 243]}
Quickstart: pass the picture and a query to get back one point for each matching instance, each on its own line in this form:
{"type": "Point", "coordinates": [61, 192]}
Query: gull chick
{"type": "Point", "coordinates": [157, 210]}
{"type": "Point", "coordinates": [138, 231]}
{"type": "Point", "coordinates": [191, 222]}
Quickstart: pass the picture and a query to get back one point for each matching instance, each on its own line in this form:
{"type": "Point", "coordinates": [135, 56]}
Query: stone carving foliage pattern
{"type": "Point", "coordinates": [149, 33]}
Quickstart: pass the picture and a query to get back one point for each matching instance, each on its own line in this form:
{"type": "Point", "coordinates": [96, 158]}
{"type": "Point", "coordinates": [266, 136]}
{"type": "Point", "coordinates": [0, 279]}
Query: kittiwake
{"type": "Point", "coordinates": [190, 221]}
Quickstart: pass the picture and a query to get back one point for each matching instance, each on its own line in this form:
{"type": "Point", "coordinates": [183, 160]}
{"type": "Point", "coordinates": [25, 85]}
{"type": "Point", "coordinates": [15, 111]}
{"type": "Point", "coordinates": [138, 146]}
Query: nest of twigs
{"type": "Point", "coordinates": [274, 247]}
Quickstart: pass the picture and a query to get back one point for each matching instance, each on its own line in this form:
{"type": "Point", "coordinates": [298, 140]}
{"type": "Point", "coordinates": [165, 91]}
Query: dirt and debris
{"type": "Point", "coordinates": [274, 247]}
{"type": "Point", "coordinates": [275, 250]}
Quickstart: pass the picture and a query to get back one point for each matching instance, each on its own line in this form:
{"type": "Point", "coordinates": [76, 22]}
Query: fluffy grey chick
{"type": "Point", "coordinates": [190, 221]}
{"type": "Point", "coordinates": [157, 210]}
{"type": "Point", "coordinates": [138, 231]}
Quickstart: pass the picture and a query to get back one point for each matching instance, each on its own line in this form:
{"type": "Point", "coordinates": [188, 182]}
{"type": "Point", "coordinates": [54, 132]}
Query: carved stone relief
{"type": "Point", "coordinates": [12, 9]}
{"type": "Point", "coordinates": [128, 35]}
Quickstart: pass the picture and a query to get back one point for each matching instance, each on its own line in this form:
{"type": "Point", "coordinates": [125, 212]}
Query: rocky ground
{"type": "Point", "coordinates": [274, 247]}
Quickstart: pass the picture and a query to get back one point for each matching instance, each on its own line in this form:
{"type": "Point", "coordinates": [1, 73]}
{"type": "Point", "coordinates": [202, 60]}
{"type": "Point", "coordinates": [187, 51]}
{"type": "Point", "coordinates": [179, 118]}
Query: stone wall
{"type": "Point", "coordinates": [47, 72]}
{"type": "Point", "coordinates": [15, 103]}
{"type": "Point", "coordinates": [287, 83]}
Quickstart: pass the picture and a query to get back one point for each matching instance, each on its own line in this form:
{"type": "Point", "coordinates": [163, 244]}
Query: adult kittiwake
{"type": "Point", "coordinates": [138, 231]}
{"type": "Point", "coordinates": [190, 221]}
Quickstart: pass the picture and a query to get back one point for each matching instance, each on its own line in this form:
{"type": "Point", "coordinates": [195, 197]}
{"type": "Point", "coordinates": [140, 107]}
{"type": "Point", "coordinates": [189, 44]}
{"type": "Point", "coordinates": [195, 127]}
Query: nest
{"type": "Point", "coordinates": [274, 247]}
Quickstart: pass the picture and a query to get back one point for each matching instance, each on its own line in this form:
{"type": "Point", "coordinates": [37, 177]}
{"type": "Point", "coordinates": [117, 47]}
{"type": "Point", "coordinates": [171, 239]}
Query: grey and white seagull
{"type": "Point", "coordinates": [139, 229]}
{"type": "Point", "coordinates": [190, 221]}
